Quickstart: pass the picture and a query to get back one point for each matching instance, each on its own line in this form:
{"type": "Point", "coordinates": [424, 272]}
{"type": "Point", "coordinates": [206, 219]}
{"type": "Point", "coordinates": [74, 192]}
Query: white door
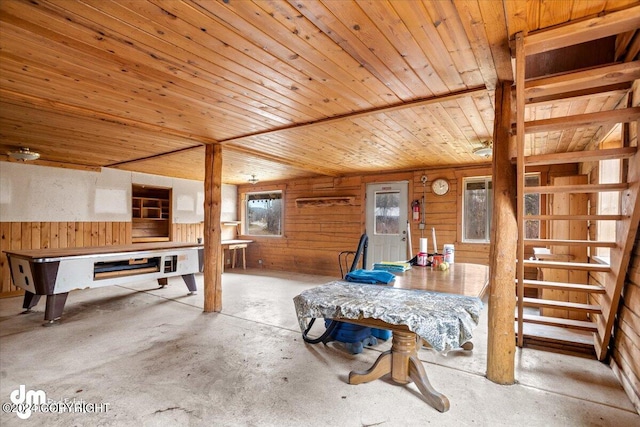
{"type": "Point", "coordinates": [387, 221]}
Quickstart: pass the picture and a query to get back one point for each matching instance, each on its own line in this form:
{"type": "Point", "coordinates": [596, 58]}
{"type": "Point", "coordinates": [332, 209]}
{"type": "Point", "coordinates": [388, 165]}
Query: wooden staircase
{"type": "Point", "coordinates": [601, 294]}
{"type": "Point", "coordinates": [568, 314]}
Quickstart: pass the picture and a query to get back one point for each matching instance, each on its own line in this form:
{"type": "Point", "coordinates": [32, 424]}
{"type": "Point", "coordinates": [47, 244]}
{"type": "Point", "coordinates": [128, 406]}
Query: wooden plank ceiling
{"type": "Point", "coordinates": [290, 88]}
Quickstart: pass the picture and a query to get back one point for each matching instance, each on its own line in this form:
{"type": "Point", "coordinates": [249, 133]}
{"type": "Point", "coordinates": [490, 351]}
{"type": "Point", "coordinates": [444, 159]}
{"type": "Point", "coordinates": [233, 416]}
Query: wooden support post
{"type": "Point", "coordinates": [520, 105]}
{"type": "Point", "coordinates": [212, 228]}
{"type": "Point", "coordinates": [502, 297]}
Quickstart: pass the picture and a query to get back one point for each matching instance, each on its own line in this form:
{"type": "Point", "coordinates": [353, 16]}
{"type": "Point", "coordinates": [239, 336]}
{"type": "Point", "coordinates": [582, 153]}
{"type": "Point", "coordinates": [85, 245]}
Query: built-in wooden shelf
{"type": "Point", "coordinates": [150, 208]}
{"type": "Point", "coordinates": [151, 214]}
{"type": "Point", "coordinates": [326, 201]}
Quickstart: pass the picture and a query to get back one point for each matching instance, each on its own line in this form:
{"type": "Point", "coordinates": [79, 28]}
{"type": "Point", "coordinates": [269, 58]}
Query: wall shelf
{"type": "Point", "coordinates": [151, 214]}
{"type": "Point", "coordinates": [326, 201]}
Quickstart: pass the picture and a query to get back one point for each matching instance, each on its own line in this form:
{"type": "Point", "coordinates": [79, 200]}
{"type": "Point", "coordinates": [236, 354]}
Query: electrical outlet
{"type": "Point", "coordinates": [421, 226]}
{"type": "Point", "coordinates": [259, 262]}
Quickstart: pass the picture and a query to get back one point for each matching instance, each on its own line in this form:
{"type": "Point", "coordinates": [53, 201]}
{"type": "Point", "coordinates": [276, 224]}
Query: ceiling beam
{"type": "Point", "coordinates": [155, 156]}
{"type": "Point", "coordinates": [498, 37]}
{"type": "Point", "coordinates": [231, 142]}
{"type": "Point", "coordinates": [66, 108]}
{"type": "Point", "coordinates": [386, 109]}
{"type": "Point", "coordinates": [583, 31]}
{"type": "Point", "coordinates": [63, 108]}
{"type": "Point", "coordinates": [286, 162]}
{"type": "Point", "coordinates": [65, 165]}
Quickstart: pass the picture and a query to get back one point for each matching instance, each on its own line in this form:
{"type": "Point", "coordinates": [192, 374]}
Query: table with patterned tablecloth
{"type": "Point", "coordinates": [412, 310]}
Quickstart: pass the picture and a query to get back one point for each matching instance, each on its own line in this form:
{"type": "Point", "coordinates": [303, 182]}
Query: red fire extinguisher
{"type": "Point", "coordinates": [415, 206]}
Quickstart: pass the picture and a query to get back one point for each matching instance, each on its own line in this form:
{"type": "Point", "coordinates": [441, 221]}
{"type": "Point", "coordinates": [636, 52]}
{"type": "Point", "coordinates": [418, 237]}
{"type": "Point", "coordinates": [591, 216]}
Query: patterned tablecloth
{"type": "Point", "coordinates": [445, 321]}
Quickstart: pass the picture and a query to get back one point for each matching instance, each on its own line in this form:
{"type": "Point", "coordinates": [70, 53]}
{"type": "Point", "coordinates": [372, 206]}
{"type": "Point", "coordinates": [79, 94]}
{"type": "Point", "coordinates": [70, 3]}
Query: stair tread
{"type": "Point", "coordinates": [567, 305]}
{"type": "Point", "coordinates": [562, 339]}
{"type": "Point", "coordinates": [557, 321]}
{"type": "Point", "coordinates": [560, 242]}
{"type": "Point", "coordinates": [577, 217]}
{"type": "Point", "coordinates": [590, 156]}
{"type": "Point", "coordinates": [577, 188]}
{"type": "Point", "coordinates": [596, 289]}
{"type": "Point", "coordinates": [567, 265]}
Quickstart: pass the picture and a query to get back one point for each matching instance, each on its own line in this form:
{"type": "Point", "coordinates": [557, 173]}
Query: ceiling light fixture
{"type": "Point", "coordinates": [486, 150]}
{"type": "Point", "coordinates": [253, 180]}
{"type": "Point", "coordinates": [24, 154]}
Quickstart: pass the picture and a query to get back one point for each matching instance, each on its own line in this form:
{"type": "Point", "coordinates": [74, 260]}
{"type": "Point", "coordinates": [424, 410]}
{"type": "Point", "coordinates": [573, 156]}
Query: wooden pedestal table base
{"type": "Point", "coordinates": [403, 364]}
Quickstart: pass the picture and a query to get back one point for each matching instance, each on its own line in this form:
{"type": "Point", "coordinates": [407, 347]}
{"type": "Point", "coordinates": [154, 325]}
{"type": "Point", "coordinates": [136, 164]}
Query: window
{"type": "Point", "coordinates": [477, 203]}
{"type": "Point", "coordinates": [531, 207]}
{"type": "Point", "coordinates": [477, 206]}
{"type": "Point", "coordinates": [608, 203]}
{"type": "Point", "coordinates": [264, 213]}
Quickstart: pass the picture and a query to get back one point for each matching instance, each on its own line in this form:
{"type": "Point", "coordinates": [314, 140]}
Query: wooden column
{"type": "Point", "coordinates": [502, 260]}
{"type": "Point", "coordinates": [212, 225]}
{"type": "Point", "coordinates": [520, 105]}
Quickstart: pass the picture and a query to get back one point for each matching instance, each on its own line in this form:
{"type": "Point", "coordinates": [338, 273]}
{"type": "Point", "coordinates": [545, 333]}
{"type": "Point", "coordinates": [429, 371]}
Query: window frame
{"type": "Point", "coordinates": [487, 179]}
{"type": "Point", "coordinates": [608, 203]}
{"type": "Point", "coordinates": [478, 174]}
{"type": "Point", "coordinates": [245, 212]}
{"type": "Point", "coordinates": [538, 176]}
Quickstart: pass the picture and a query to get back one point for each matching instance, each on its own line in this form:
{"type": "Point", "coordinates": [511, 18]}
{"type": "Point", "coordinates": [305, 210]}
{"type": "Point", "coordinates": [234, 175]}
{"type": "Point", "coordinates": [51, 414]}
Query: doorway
{"type": "Point", "coordinates": [386, 221]}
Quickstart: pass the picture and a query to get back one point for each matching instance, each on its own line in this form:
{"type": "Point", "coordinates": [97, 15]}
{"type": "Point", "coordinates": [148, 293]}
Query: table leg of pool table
{"type": "Point", "coordinates": [190, 281]}
{"type": "Point", "coordinates": [55, 306]}
{"type": "Point", "coordinates": [30, 300]}
{"type": "Point", "coordinates": [403, 364]}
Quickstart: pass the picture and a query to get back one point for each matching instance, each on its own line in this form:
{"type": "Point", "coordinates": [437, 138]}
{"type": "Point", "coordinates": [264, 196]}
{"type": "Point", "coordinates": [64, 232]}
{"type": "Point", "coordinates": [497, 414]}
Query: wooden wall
{"type": "Point", "coordinates": [314, 235]}
{"type": "Point", "coordinates": [187, 232]}
{"type": "Point", "coordinates": [39, 235]}
{"type": "Point", "coordinates": [625, 358]}
{"type": "Point", "coordinates": [626, 337]}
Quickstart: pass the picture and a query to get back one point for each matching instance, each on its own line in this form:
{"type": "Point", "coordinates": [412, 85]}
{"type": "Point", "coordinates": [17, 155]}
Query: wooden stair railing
{"type": "Point", "coordinates": [603, 300]}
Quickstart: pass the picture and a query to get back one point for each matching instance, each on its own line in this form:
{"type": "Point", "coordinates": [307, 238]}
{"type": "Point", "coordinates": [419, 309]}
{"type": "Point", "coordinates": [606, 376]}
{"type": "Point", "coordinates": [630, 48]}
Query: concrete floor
{"type": "Point", "coordinates": [158, 360]}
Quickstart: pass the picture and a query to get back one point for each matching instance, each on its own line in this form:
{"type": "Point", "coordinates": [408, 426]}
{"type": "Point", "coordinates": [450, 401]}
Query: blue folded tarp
{"type": "Point", "coordinates": [370, 276]}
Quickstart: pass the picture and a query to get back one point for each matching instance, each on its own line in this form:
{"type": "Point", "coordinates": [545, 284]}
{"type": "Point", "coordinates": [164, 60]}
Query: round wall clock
{"type": "Point", "coordinates": [440, 186]}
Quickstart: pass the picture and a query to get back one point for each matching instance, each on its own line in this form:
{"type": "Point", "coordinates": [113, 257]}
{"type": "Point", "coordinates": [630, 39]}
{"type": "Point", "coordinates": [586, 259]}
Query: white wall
{"type": "Point", "coordinates": [39, 193]}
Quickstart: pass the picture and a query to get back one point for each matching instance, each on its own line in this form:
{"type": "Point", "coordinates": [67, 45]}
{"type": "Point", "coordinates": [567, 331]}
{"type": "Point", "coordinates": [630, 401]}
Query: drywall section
{"type": "Point", "coordinates": [188, 197]}
{"type": "Point", "coordinates": [30, 193]}
{"type": "Point", "coordinates": [229, 203]}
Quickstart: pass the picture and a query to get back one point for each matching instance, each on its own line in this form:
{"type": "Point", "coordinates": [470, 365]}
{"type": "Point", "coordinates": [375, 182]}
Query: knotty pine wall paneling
{"type": "Point", "coordinates": [314, 235]}
{"type": "Point", "coordinates": [41, 235]}
{"type": "Point", "coordinates": [625, 354]}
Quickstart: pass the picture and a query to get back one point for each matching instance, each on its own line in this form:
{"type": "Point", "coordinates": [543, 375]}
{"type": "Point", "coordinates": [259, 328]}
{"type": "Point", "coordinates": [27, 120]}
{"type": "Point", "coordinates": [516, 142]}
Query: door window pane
{"type": "Point", "coordinates": [387, 212]}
